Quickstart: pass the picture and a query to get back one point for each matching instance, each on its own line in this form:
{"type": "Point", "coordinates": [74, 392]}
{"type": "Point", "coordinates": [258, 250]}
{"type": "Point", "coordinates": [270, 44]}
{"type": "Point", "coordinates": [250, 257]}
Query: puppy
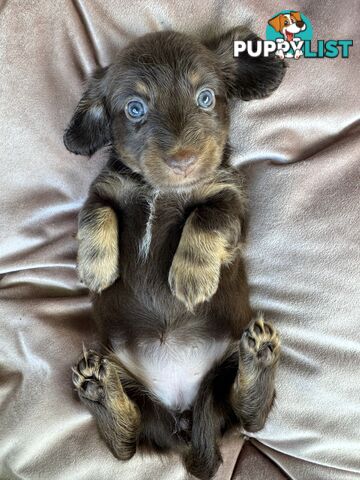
{"type": "Point", "coordinates": [289, 24]}
{"type": "Point", "coordinates": [160, 245]}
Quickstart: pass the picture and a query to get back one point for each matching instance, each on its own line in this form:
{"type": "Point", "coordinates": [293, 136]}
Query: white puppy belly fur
{"type": "Point", "coordinates": [171, 370]}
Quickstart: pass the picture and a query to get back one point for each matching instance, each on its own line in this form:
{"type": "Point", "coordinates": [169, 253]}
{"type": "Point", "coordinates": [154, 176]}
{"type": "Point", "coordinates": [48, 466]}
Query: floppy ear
{"type": "Point", "coordinates": [275, 23]}
{"type": "Point", "coordinates": [246, 77]}
{"type": "Point", "coordinates": [297, 16]}
{"type": "Point", "coordinates": [89, 128]}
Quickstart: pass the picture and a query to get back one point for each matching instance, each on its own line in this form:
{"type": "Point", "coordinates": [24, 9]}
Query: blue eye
{"type": "Point", "coordinates": [135, 109]}
{"type": "Point", "coordinates": [206, 99]}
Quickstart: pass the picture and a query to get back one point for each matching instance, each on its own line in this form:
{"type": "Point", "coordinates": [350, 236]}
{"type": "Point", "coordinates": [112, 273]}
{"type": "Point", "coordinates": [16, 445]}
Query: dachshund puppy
{"type": "Point", "coordinates": [160, 245]}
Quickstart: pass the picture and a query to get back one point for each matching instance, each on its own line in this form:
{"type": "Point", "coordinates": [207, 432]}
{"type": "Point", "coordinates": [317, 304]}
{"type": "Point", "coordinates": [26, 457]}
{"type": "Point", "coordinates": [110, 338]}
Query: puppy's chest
{"type": "Point", "coordinates": [160, 218]}
{"type": "Point", "coordinates": [149, 232]}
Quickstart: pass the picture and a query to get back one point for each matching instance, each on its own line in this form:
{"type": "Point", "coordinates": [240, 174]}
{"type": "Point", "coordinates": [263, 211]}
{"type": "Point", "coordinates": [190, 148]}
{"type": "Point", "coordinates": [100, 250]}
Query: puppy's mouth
{"type": "Point", "coordinates": [182, 173]}
{"type": "Point", "coordinates": [182, 168]}
{"type": "Point", "coordinates": [289, 36]}
{"type": "Point", "coordinates": [177, 178]}
{"type": "Point", "coordinates": [169, 178]}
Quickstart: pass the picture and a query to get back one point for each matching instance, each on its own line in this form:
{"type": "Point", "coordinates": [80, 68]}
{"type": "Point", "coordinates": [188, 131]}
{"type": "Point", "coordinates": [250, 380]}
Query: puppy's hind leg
{"type": "Point", "coordinates": [203, 457]}
{"type": "Point", "coordinates": [97, 382]}
{"type": "Point", "coordinates": [253, 391]}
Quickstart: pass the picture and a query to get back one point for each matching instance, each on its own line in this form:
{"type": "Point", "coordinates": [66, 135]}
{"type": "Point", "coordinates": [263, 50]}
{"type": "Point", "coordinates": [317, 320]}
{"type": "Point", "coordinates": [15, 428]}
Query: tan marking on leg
{"type": "Point", "coordinates": [97, 381]}
{"type": "Point", "coordinates": [195, 271]}
{"type": "Point", "coordinates": [253, 391]}
{"type": "Point", "coordinates": [98, 250]}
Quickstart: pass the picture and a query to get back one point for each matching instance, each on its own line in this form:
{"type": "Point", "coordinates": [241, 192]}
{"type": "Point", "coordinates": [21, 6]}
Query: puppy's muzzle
{"type": "Point", "coordinates": [182, 162]}
{"type": "Point", "coordinates": [300, 24]}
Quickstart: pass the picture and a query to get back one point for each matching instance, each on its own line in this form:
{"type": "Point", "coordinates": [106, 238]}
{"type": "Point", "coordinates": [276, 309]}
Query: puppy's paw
{"type": "Point", "coordinates": [90, 376]}
{"type": "Point", "coordinates": [97, 271]}
{"type": "Point", "coordinates": [194, 282]}
{"type": "Point", "coordinates": [260, 343]}
{"type": "Point", "coordinates": [203, 464]}
{"type": "Point", "coordinates": [98, 249]}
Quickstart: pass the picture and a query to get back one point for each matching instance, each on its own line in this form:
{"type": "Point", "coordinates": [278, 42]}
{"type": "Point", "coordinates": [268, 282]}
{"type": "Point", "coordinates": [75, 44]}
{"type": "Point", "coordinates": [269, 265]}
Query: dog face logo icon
{"type": "Point", "coordinates": [288, 26]}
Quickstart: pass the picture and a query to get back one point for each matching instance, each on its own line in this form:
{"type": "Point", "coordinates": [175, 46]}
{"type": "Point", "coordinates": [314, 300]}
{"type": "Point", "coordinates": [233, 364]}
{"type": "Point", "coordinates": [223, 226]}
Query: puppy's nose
{"type": "Point", "coordinates": [300, 24]}
{"type": "Point", "coordinates": [182, 162]}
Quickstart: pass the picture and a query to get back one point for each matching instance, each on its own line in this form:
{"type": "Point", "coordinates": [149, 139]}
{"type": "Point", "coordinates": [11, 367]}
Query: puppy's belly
{"type": "Point", "coordinates": [173, 371]}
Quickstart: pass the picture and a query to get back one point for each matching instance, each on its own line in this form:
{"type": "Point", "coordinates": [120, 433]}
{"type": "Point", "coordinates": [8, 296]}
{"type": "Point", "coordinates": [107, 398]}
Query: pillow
{"type": "Point", "coordinates": [300, 150]}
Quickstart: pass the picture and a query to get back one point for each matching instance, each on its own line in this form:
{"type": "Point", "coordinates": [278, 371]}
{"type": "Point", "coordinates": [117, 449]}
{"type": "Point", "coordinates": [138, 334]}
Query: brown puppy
{"type": "Point", "coordinates": [160, 240]}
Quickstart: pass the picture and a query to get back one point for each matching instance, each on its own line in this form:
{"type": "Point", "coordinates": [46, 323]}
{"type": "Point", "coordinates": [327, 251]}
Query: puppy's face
{"type": "Point", "coordinates": [163, 105]}
{"type": "Point", "coordinates": [169, 110]}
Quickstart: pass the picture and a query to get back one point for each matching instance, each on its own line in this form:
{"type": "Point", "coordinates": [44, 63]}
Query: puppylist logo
{"type": "Point", "coordinates": [289, 35]}
{"type": "Point", "coordinates": [289, 30]}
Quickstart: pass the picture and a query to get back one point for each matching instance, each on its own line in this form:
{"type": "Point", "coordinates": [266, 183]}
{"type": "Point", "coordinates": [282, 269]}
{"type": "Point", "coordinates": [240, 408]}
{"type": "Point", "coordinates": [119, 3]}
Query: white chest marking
{"type": "Point", "coordinates": [144, 246]}
{"type": "Point", "coordinates": [173, 371]}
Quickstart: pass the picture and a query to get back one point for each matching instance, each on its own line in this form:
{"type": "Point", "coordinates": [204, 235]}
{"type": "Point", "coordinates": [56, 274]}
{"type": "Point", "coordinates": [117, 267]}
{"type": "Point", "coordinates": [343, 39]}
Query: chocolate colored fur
{"type": "Point", "coordinates": [163, 245]}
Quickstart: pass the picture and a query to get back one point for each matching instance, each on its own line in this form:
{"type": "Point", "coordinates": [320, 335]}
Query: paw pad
{"type": "Point", "coordinates": [261, 342]}
{"type": "Point", "coordinates": [89, 375]}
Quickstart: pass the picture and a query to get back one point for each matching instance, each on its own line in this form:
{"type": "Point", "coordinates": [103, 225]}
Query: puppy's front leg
{"type": "Point", "coordinates": [210, 239]}
{"type": "Point", "coordinates": [98, 253]}
{"type": "Point", "coordinates": [98, 244]}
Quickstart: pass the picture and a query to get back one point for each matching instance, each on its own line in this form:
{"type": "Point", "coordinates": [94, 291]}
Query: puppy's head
{"type": "Point", "coordinates": [163, 104]}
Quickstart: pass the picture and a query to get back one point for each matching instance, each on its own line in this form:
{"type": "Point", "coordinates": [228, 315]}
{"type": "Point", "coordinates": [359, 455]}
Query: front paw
{"type": "Point", "coordinates": [98, 270]}
{"type": "Point", "coordinates": [260, 344]}
{"type": "Point", "coordinates": [98, 249]}
{"type": "Point", "coordinates": [194, 282]}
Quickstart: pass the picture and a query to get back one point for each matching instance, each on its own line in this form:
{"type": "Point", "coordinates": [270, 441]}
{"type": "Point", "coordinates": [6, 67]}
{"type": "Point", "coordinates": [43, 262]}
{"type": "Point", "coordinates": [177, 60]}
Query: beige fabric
{"type": "Point", "coordinates": [303, 252]}
{"type": "Point", "coordinates": [253, 465]}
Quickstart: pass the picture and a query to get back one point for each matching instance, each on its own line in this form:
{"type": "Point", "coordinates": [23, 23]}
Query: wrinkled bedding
{"type": "Point", "coordinates": [301, 151]}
